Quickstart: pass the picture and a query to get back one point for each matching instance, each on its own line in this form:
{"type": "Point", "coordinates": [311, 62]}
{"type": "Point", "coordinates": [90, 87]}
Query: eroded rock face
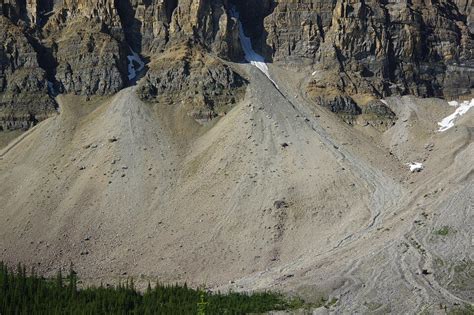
{"type": "Point", "coordinates": [82, 45]}
{"type": "Point", "coordinates": [152, 26]}
{"type": "Point", "coordinates": [146, 23]}
{"type": "Point", "coordinates": [90, 63]}
{"type": "Point", "coordinates": [186, 74]}
{"type": "Point", "coordinates": [86, 40]}
{"type": "Point", "coordinates": [371, 48]}
{"type": "Point", "coordinates": [183, 40]}
{"type": "Point", "coordinates": [466, 7]}
{"type": "Point", "coordinates": [24, 98]}
{"type": "Point", "coordinates": [423, 48]}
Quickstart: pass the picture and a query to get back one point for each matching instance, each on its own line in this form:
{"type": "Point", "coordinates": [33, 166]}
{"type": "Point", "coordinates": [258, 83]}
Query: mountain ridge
{"type": "Point", "coordinates": [359, 50]}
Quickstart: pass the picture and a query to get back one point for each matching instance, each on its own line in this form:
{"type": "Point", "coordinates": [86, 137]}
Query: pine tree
{"type": "Point", "coordinates": [21, 293]}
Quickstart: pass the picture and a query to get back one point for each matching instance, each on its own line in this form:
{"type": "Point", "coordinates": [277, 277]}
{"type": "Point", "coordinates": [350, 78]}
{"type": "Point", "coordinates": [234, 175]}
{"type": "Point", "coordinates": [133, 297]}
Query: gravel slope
{"type": "Point", "coordinates": [277, 194]}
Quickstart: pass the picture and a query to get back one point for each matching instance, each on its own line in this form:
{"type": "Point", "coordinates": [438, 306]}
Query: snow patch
{"type": "Point", "coordinates": [134, 60]}
{"type": "Point", "coordinates": [453, 103]}
{"type": "Point", "coordinates": [415, 167]}
{"type": "Point", "coordinates": [461, 109]}
{"type": "Point", "coordinates": [250, 55]}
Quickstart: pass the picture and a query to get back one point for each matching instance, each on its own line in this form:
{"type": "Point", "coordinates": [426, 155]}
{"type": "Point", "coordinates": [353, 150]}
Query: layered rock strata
{"type": "Point", "coordinates": [357, 50]}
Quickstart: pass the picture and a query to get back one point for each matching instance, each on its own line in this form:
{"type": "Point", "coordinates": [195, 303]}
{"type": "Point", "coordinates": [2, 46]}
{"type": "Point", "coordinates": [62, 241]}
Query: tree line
{"type": "Point", "coordinates": [23, 292]}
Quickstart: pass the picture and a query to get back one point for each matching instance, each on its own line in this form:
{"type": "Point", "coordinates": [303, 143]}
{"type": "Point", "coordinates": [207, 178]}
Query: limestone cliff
{"type": "Point", "coordinates": [371, 48]}
{"type": "Point", "coordinates": [379, 48]}
{"type": "Point", "coordinates": [201, 81]}
{"type": "Point", "coordinates": [24, 98]}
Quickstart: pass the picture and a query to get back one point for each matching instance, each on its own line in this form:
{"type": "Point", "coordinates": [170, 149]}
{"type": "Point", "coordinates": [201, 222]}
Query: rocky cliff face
{"type": "Point", "coordinates": [183, 41]}
{"type": "Point", "coordinates": [466, 7]}
{"type": "Point", "coordinates": [379, 48]}
{"type": "Point", "coordinates": [82, 46]}
{"type": "Point", "coordinates": [373, 48]}
{"type": "Point", "coordinates": [24, 97]}
{"type": "Point", "coordinates": [206, 86]}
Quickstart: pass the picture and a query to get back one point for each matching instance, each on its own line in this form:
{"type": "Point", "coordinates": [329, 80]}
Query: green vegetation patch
{"type": "Point", "coordinates": [467, 309]}
{"type": "Point", "coordinates": [443, 231]}
{"type": "Point", "coordinates": [22, 293]}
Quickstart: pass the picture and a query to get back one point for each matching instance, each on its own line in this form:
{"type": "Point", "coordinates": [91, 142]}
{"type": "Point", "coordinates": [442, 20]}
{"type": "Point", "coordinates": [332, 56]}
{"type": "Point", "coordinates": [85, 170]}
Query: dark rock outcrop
{"type": "Point", "coordinates": [379, 109]}
{"type": "Point", "coordinates": [87, 42]}
{"type": "Point", "coordinates": [340, 104]}
{"type": "Point", "coordinates": [187, 74]}
{"type": "Point", "coordinates": [466, 7]}
{"type": "Point", "coordinates": [91, 63]}
{"type": "Point", "coordinates": [24, 98]}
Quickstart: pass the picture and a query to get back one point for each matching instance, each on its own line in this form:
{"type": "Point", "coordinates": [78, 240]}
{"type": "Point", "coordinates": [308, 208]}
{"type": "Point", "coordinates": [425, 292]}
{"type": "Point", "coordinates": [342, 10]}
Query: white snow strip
{"type": "Point", "coordinates": [415, 167]}
{"type": "Point", "coordinates": [250, 55]}
{"type": "Point", "coordinates": [384, 102]}
{"type": "Point", "coordinates": [453, 103]}
{"type": "Point", "coordinates": [461, 109]}
{"type": "Point", "coordinates": [314, 73]}
{"type": "Point", "coordinates": [134, 60]}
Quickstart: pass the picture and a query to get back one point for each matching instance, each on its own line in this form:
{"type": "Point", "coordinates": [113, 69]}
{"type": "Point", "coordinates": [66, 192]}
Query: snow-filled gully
{"type": "Point", "coordinates": [461, 109]}
{"type": "Point", "coordinates": [250, 55]}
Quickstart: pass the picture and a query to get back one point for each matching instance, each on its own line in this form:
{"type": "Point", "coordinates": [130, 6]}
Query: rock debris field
{"type": "Point", "coordinates": [277, 194]}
